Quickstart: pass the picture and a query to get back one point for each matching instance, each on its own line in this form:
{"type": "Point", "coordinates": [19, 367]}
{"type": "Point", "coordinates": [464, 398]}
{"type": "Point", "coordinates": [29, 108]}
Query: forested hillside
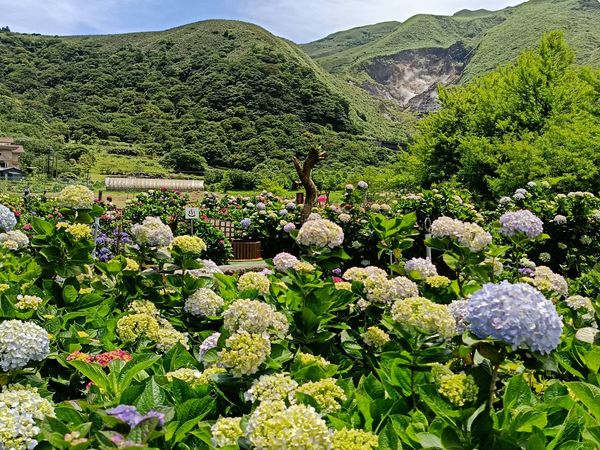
{"type": "Point", "coordinates": [225, 91]}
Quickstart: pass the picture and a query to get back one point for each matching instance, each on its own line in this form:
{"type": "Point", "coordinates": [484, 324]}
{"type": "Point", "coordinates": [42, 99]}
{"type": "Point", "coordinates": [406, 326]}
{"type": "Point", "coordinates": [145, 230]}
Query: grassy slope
{"type": "Point", "coordinates": [344, 40]}
{"type": "Point", "coordinates": [497, 37]}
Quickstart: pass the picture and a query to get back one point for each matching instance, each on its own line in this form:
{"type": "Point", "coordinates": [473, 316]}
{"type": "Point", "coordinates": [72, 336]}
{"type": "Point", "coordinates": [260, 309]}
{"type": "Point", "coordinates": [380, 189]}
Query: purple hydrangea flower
{"type": "Point", "coordinates": [336, 272]}
{"type": "Point", "coordinates": [283, 212]}
{"type": "Point", "coordinates": [127, 413]}
{"type": "Point", "coordinates": [245, 223]}
{"type": "Point", "coordinates": [523, 221]}
{"type": "Point", "coordinates": [209, 343]}
{"type": "Point", "coordinates": [160, 417]}
{"type": "Point", "coordinates": [289, 227]}
{"type": "Point", "coordinates": [517, 314]}
{"type": "Point", "coordinates": [527, 271]}
{"type": "Point", "coordinates": [260, 206]}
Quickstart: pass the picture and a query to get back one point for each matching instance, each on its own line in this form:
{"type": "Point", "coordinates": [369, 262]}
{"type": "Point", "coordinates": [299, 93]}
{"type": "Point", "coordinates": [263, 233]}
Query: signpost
{"type": "Point", "coordinates": [192, 214]}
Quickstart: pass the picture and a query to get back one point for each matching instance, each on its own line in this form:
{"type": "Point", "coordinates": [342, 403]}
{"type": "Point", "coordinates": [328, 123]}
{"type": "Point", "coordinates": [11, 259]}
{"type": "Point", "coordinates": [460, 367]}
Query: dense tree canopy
{"type": "Point", "coordinates": [536, 119]}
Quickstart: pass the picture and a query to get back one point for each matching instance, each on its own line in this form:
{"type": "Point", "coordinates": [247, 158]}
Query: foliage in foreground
{"type": "Point", "coordinates": [150, 349]}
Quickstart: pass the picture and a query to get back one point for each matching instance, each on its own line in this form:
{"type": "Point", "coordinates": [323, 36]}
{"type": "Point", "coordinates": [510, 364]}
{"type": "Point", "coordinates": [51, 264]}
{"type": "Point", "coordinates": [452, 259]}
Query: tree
{"type": "Point", "coordinates": [184, 160]}
{"type": "Point", "coordinates": [304, 170]}
{"type": "Point", "coordinates": [493, 134]}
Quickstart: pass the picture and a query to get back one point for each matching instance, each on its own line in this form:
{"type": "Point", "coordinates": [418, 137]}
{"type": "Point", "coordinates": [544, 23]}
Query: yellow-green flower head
{"type": "Point", "coordinates": [326, 393]}
{"type": "Point", "coordinates": [343, 286]}
{"type": "Point", "coordinates": [226, 431]}
{"type": "Point", "coordinates": [438, 281]}
{"type": "Point", "coordinates": [75, 197]}
{"type": "Point", "coordinates": [28, 302]}
{"type": "Point", "coordinates": [80, 231]}
{"type": "Point", "coordinates": [21, 410]}
{"type": "Point", "coordinates": [459, 389]}
{"type": "Point", "coordinates": [271, 387]}
{"type": "Point", "coordinates": [204, 302]}
{"type": "Point", "coordinates": [272, 426]}
{"type": "Point", "coordinates": [306, 359]}
{"type": "Point", "coordinates": [304, 267]}
{"type": "Point", "coordinates": [131, 266]}
{"type": "Point", "coordinates": [245, 352]}
{"type": "Point", "coordinates": [209, 374]}
{"type": "Point", "coordinates": [143, 307]}
{"type": "Point", "coordinates": [351, 439]}
{"type": "Point", "coordinates": [422, 314]}
{"type": "Point", "coordinates": [136, 326]}
{"type": "Point", "coordinates": [190, 376]}
{"type": "Point", "coordinates": [14, 240]}
{"type": "Point", "coordinates": [547, 281]}
{"type": "Point", "coordinates": [4, 287]}
{"type": "Point", "coordinates": [254, 280]}
{"type": "Point", "coordinates": [255, 317]}
{"type": "Point", "coordinates": [438, 371]}
{"type": "Point", "coordinates": [375, 337]}
{"type": "Point", "coordinates": [467, 234]}
{"type": "Point", "coordinates": [380, 290]}
{"type": "Point", "coordinates": [168, 337]}
{"type": "Point", "coordinates": [192, 245]}
{"type": "Point", "coordinates": [362, 273]}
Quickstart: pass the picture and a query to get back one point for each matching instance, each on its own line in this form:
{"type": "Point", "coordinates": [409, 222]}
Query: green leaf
{"type": "Point", "coordinates": [94, 372]}
{"type": "Point", "coordinates": [588, 394]}
{"type": "Point", "coordinates": [135, 366]}
{"type": "Point", "coordinates": [152, 397]}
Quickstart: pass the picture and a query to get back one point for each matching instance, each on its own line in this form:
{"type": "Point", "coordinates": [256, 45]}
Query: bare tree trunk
{"type": "Point", "coordinates": [304, 172]}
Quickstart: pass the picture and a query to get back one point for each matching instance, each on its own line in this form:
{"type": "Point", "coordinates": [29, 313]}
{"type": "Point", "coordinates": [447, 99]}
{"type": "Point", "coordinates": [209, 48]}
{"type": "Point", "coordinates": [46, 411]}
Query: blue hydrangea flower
{"type": "Point", "coordinates": [7, 219]}
{"type": "Point", "coordinates": [260, 206]}
{"type": "Point", "coordinates": [523, 221]}
{"type": "Point", "coordinates": [517, 314]}
{"type": "Point", "coordinates": [245, 223]}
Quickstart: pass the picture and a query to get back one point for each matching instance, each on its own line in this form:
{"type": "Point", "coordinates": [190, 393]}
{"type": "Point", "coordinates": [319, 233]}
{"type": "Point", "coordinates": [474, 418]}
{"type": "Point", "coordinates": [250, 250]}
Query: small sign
{"type": "Point", "coordinates": [192, 213]}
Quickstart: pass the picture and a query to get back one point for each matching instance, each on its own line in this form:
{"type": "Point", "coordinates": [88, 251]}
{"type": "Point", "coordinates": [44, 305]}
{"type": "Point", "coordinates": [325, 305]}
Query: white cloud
{"type": "Point", "coordinates": [299, 20]}
{"type": "Point", "coordinates": [312, 19]}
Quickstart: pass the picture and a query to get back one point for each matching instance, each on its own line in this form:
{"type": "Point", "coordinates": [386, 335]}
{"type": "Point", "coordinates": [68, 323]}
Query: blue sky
{"type": "Point", "coordinates": [298, 20]}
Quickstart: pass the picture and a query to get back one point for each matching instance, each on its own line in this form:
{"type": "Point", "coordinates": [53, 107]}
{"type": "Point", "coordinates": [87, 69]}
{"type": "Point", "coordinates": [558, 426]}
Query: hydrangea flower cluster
{"type": "Point", "coordinates": [145, 322]}
{"type": "Point", "coordinates": [79, 231]}
{"type": "Point", "coordinates": [273, 426]}
{"type": "Point", "coordinates": [459, 389]}
{"type": "Point", "coordinates": [375, 337]}
{"type": "Point", "coordinates": [104, 359]}
{"type": "Point", "coordinates": [14, 240]}
{"type": "Point", "coordinates": [284, 261]}
{"type": "Point", "coordinates": [351, 439]}
{"type": "Point", "coordinates": [255, 317]}
{"type": "Point", "coordinates": [209, 269]}
{"type": "Point", "coordinates": [289, 227]}
{"type": "Point", "coordinates": [204, 302]}
{"type": "Point", "coordinates": [381, 290]}
{"type": "Point", "coordinates": [307, 359]}
{"type": "Point", "coordinates": [304, 267]}
{"type": "Point", "coordinates": [547, 281]}
{"type": "Point", "coordinates": [7, 219]}
{"type": "Point", "coordinates": [467, 234]}
{"type": "Point", "coordinates": [21, 343]}
{"type": "Point", "coordinates": [152, 232]}
{"type": "Point", "coordinates": [344, 217]}
{"type": "Point", "coordinates": [521, 222]}
{"type": "Point", "coordinates": [28, 302]}
{"type": "Point", "coordinates": [244, 352]}
{"type": "Point", "coordinates": [132, 417]}
{"type": "Point", "coordinates": [326, 394]}
{"type": "Point", "coordinates": [194, 377]}
{"type": "Point", "coordinates": [362, 273]}
{"type": "Point", "coordinates": [21, 408]}
{"type": "Point", "coordinates": [254, 281]}
{"type": "Point", "coordinates": [423, 315]}
{"type": "Point", "coordinates": [278, 386]}
{"type": "Point", "coordinates": [517, 314]}
{"type": "Point", "coordinates": [75, 196]}
{"type": "Point", "coordinates": [192, 245]}
{"type": "Point", "coordinates": [576, 302]}
{"type": "Point", "coordinates": [226, 431]}
{"type": "Point", "coordinates": [320, 233]}
{"type": "Point", "coordinates": [209, 343]}
{"type": "Point", "coordinates": [424, 268]}
{"type": "Point", "coordinates": [458, 309]}
{"type": "Point", "coordinates": [438, 281]}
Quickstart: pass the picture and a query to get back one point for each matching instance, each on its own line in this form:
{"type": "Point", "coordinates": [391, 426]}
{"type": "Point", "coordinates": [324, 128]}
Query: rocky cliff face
{"type": "Point", "coordinates": [411, 77]}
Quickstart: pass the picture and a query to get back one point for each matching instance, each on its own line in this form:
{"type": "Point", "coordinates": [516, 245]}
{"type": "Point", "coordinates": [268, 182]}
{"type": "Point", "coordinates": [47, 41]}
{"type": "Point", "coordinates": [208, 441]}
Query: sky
{"type": "Point", "coordinates": [298, 20]}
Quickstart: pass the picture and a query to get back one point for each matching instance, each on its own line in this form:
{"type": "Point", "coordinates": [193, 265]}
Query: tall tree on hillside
{"type": "Point", "coordinates": [531, 120]}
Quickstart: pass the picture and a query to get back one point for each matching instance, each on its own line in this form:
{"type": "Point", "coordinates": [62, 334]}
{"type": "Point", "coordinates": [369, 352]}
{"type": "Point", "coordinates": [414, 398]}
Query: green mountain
{"type": "Point", "coordinates": [407, 63]}
{"type": "Point", "coordinates": [227, 91]}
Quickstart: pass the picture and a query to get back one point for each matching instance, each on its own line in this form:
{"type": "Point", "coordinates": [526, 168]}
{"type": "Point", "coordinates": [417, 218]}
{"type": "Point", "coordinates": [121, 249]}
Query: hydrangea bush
{"type": "Point", "coordinates": [354, 338]}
